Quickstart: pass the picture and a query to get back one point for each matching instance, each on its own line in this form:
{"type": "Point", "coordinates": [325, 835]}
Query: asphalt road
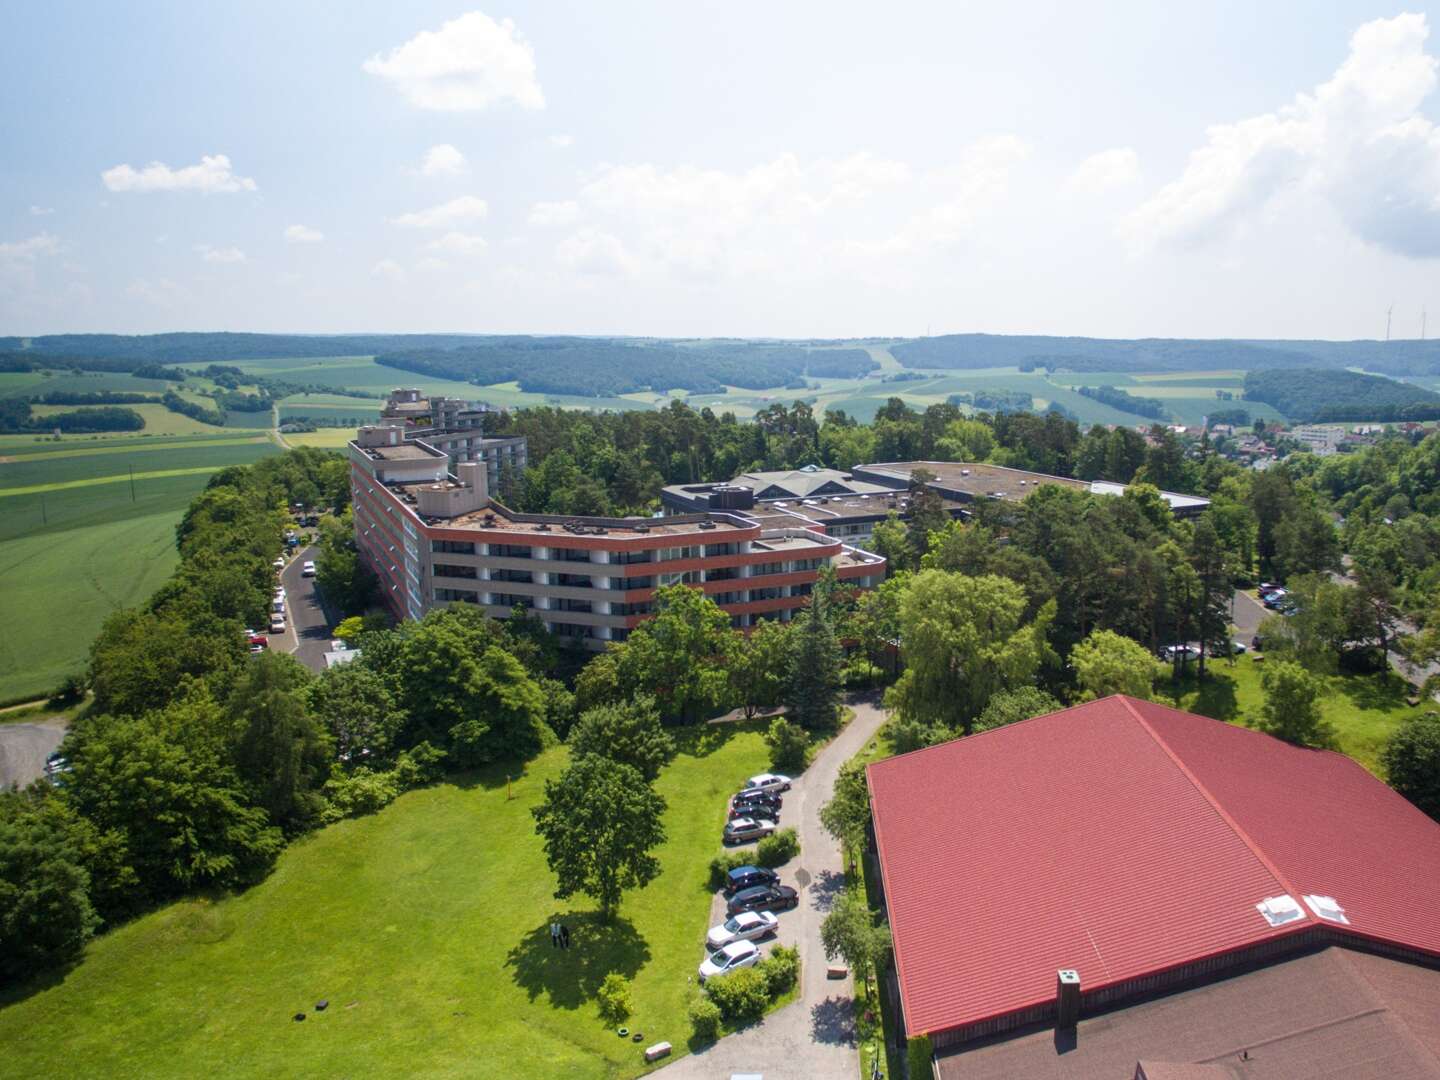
{"type": "Point", "coordinates": [812, 1038]}
{"type": "Point", "coordinates": [23, 750]}
{"type": "Point", "coordinates": [307, 625]}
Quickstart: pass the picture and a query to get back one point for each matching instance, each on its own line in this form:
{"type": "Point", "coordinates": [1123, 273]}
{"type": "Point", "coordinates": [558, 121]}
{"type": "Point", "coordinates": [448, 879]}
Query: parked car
{"type": "Point", "coordinates": [278, 564]}
{"type": "Point", "coordinates": [742, 830]}
{"type": "Point", "coordinates": [769, 798]}
{"type": "Point", "coordinates": [1268, 586]}
{"type": "Point", "coordinates": [758, 810]}
{"type": "Point", "coordinates": [763, 898]}
{"type": "Point", "coordinates": [747, 877]}
{"type": "Point", "coordinates": [54, 762]}
{"type": "Point", "coordinates": [733, 957]}
{"type": "Point", "coordinates": [747, 926]}
{"type": "Point", "coordinates": [769, 782]}
{"type": "Point", "coordinates": [1273, 599]}
{"type": "Point", "coordinates": [277, 606]}
{"type": "Point", "coordinates": [307, 568]}
{"type": "Point", "coordinates": [1171, 653]}
{"type": "Point", "coordinates": [1238, 647]}
{"type": "Point", "coordinates": [277, 624]}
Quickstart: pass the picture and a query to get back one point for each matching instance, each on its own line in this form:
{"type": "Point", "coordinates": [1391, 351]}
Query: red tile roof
{"type": "Point", "coordinates": [1122, 838]}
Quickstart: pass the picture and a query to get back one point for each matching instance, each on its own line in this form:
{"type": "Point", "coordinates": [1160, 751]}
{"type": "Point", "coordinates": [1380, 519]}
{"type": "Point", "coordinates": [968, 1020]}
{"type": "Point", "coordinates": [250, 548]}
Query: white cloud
{"type": "Point", "coordinates": [18, 258]}
{"type": "Point", "coordinates": [458, 243]}
{"type": "Point", "coordinates": [213, 175]}
{"type": "Point", "coordinates": [592, 252]}
{"type": "Point", "coordinates": [561, 140]}
{"type": "Point", "coordinates": [555, 213]}
{"type": "Point", "coordinates": [466, 208]}
{"type": "Point", "coordinates": [443, 160]}
{"type": "Point", "coordinates": [303, 234]}
{"type": "Point", "coordinates": [162, 292]}
{"type": "Point", "coordinates": [41, 211]}
{"type": "Point", "coordinates": [1105, 171]}
{"type": "Point", "coordinates": [1356, 142]}
{"type": "Point", "coordinates": [220, 255]}
{"type": "Point", "coordinates": [470, 63]}
{"type": "Point", "coordinates": [388, 269]}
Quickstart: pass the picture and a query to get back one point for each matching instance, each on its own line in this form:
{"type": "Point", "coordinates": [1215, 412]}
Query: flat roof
{"type": "Point", "coordinates": [1333, 1013]}
{"type": "Point", "coordinates": [1122, 838]}
{"type": "Point", "coordinates": [498, 518]}
{"type": "Point", "coordinates": [405, 451]}
{"type": "Point", "coordinates": [978, 479]}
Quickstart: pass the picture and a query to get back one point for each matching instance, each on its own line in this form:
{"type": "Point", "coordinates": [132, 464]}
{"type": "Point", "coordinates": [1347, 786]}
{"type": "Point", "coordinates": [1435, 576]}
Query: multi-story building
{"type": "Point", "coordinates": [456, 428]}
{"type": "Point", "coordinates": [436, 538]}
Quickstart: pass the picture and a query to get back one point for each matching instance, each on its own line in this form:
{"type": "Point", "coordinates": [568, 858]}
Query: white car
{"type": "Point", "coordinates": [747, 926]}
{"type": "Point", "coordinates": [733, 957]}
{"type": "Point", "coordinates": [277, 624]}
{"type": "Point", "coordinates": [279, 564]}
{"type": "Point", "coordinates": [767, 781]}
{"type": "Point", "coordinates": [307, 568]}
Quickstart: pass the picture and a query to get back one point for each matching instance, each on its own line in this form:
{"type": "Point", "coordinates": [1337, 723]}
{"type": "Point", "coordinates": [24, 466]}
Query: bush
{"type": "Point", "coordinates": [705, 1019]}
{"type": "Point", "coordinates": [69, 692]}
{"type": "Point", "coordinates": [420, 765]}
{"type": "Point", "coordinates": [723, 863]}
{"type": "Point", "coordinates": [361, 792]}
{"type": "Point", "coordinates": [777, 848]}
{"type": "Point", "coordinates": [614, 999]}
{"type": "Point", "coordinates": [789, 745]}
{"type": "Point", "coordinates": [741, 995]}
{"type": "Point", "coordinates": [781, 969]}
{"type": "Point", "coordinates": [861, 674]}
{"type": "Point", "coordinates": [918, 1052]}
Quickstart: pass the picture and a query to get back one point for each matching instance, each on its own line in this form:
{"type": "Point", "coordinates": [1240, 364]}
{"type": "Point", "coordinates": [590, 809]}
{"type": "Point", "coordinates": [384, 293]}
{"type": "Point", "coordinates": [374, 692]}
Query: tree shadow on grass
{"type": "Point", "coordinates": [1215, 697]}
{"type": "Point", "coordinates": [570, 977]}
{"type": "Point", "coordinates": [703, 739]}
{"type": "Point", "coordinates": [489, 777]}
{"type": "Point", "coordinates": [1381, 693]}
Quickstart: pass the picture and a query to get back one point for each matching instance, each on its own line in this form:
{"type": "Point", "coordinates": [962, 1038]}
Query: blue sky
{"type": "Point", "coordinates": [796, 169]}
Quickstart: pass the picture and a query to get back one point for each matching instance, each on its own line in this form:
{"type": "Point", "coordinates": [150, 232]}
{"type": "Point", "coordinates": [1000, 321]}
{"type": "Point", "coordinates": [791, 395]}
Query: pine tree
{"type": "Point", "coordinates": [814, 691]}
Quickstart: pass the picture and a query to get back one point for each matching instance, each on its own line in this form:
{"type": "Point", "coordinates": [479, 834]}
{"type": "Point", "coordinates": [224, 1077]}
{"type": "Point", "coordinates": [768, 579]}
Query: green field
{"type": "Point", "coordinates": [76, 541]}
{"type": "Point", "coordinates": [328, 438]}
{"type": "Point", "coordinates": [16, 384]}
{"type": "Point", "coordinates": [424, 926]}
{"type": "Point", "coordinates": [1363, 709]}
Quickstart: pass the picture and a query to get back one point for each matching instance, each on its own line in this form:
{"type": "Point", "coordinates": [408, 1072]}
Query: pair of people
{"type": "Point", "coordinates": [559, 935]}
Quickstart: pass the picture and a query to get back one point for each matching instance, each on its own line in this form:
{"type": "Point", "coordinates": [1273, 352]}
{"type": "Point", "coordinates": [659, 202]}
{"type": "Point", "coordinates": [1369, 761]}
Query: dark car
{"type": "Point", "coordinates": [748, 877]}
{"type": "Point", "coordinates": [758, 810]}
{"type": "Point", "coordinates": [763, 898]}
{"type": "Point", "coordinates": [757, 795]}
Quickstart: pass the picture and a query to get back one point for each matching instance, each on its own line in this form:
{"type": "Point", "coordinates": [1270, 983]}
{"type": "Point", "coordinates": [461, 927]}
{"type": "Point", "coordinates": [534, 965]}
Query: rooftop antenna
{"type": "Point", "coordinates": [1389, 311]}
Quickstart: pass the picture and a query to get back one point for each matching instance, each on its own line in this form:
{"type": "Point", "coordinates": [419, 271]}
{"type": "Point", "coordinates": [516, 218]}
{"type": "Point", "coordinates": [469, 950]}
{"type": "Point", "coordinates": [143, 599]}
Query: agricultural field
{"type": "Point", "coordinates": [78, 539]}
{"type": "Point", "coordinates": [424, 926]}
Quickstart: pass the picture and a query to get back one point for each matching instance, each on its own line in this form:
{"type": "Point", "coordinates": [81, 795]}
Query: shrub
{"type": "Point", "coordinates": [723, 863]}
{"type": "Point", "coordinates": [741, 995]}
{"type": "Point", "coordinates": [705, 1019]}
{"type": "Point", "coordinates": [614, 999]}
{"type": "Point", "coordinates": [918, 1052]}
{"type": "Point", "coordinates": [360, 792]}
{"type": "Point", "coordinates": [69, 692]}
{"type": "Point", "coordinates": [781, 969]}
{"type": "Point", "coordinates": [420, 765]}
{"type": "Point", "coordinates": [860, 673]}
{"type": "Point", "coordinates": [777, 848]}
{"type": "Point", "coordinates": [789, 745]}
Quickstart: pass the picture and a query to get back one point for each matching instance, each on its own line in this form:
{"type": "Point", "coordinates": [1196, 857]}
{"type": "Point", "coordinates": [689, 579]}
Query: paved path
{"type": "Point", "coordinates": [813, 1037]}
{"type": "Point", "coordinates": [24, 748]}
{"type": "Point", "coordinates": [307, 626]}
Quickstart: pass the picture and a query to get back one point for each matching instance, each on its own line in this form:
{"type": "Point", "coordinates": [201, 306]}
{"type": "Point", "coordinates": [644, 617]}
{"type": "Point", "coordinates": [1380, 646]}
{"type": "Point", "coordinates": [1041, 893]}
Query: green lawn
{"type": "Point", "coordinates": [1363, 709]}
{"type": "Point", "coordinates": [425, 926]}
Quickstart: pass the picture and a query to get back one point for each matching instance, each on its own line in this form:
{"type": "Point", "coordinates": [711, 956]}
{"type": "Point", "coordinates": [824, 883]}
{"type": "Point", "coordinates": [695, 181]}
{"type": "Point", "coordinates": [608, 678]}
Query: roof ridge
{"type": "Point", "coordinates": [1215, 804]}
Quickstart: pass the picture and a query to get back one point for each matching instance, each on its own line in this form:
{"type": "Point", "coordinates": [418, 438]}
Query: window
{"type": "Point", "coordinates": [508, 600]}
{"type": "Point", "coordinates": [688, 577]}
{"type": "Point", "coordinates": [464, 596]}
{"type": "Point", "coordinates": [807, 564]}
{"type": "Point", "coordinates": [727, 598]}
{"type": "Point", "coordinates": [719, 549]}
{"type": "Point", "coordinates": [626, 558]}
{"type": "Point", "coordinates": [634, 583]}
{"type": "Point", "coordinates": [447, 570]}
{"type": "Point", "coordinates": [574, 581]}
{"type": "Point", "coordinates": [760, 569]}
{"type": "Point", "coordinates": [512, 551]}
{"type": "Point", "coordinates": [642, 608]}
{"type": "Point", "coordinates": [771, 593]}
{"type": "Point", "coordinates": [523, 577]}
{"type": "Point", "coordinates": [452, 547]}
{"type": "Point", "coordinates": [729, 573]}
{"type": "Point", "coordinates": [570, 554]}
{"type": "Point", "coordinates": [561, 629]}
{"type": "Point", "coordinates": [802, 590]}
{"type": "Point", "coordinates": [571, 605]}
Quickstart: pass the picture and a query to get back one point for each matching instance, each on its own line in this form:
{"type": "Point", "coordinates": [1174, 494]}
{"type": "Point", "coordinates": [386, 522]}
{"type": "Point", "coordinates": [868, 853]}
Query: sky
{"type": "Point", "coordinates": [794, 169]}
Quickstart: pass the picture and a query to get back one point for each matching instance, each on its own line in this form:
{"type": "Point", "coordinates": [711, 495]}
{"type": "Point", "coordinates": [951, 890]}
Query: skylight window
{"type": "Point", "coordinates": [1279, 910]}
{"type": "Point", "coordinates": [1327, 908]}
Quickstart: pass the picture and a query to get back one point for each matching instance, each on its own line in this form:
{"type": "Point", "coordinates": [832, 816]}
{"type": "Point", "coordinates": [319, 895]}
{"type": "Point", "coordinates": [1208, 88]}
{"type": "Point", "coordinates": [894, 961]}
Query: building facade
{"type": "Point", "coordinates": [434, 539]}
{"type": "Point", "coordinates": [457, 428]}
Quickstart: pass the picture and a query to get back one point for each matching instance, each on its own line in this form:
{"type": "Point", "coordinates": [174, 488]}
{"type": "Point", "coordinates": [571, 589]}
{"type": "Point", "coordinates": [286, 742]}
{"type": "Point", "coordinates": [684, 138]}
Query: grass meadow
{"type": "Point", "coordinates": [425, 926]}
{"type": "Point", "coordinates": [77, 542]}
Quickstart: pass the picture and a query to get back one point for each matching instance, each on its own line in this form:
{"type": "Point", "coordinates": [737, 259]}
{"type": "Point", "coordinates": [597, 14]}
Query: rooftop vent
{"type": "Point", "coordinates": [1280, 910]}
{"type": "Point", "coordinates": [542, 527]}
{"type": "Point", "coordinates": [642, 528]}
{"type": "Point", "coordinates": [1327, 908]}
{"type": "Point", "coordinates": [1067, 998]}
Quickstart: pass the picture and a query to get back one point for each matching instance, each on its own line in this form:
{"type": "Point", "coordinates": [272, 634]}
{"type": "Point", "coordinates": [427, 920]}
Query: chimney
{"type": "Point", "coordinates": [476, 476]}
{"type": "Point", "coordinates": [1067, 999]}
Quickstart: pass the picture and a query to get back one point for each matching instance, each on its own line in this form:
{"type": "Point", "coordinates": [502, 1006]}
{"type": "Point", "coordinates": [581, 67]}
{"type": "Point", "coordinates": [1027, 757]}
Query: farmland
{"type": "Point", "coordinates": [78, 540]}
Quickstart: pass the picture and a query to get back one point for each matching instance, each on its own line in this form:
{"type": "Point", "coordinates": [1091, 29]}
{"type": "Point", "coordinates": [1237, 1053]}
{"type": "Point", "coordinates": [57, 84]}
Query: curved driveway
{"type": "Point", "coordinates": [813, 1037]}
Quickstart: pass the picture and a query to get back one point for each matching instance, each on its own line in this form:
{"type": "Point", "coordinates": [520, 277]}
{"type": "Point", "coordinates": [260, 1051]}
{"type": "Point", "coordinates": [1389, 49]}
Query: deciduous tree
{"type": "Point", "coordinates": [626, 732]}
{"type": "Point", "coordinates": [1412, 762]}
{"type": "Point", "coordinates": [1292, 705]}
{"type": "Point", "coordinates": [1109, 663]}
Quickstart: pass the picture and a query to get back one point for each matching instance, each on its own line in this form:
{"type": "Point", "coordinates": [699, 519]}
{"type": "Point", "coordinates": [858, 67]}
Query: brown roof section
{"type": "Point", "coordinates": [1334, 1013]}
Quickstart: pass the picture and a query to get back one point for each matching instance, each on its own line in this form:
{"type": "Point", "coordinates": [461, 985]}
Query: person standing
{"type": "Point", "coordinates": [555, 934]}
{"type": "Point", "coordinates": [564, 936]}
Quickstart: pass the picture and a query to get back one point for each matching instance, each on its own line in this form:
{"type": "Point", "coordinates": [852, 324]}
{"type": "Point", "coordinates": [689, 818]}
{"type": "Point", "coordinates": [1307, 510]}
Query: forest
{"type": "Point", "coordinates": [1154, 408]}
{"type": "Point", "coordinates": [16, 418]}
{"type": "Point", "coordinates": [1309, 394]}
